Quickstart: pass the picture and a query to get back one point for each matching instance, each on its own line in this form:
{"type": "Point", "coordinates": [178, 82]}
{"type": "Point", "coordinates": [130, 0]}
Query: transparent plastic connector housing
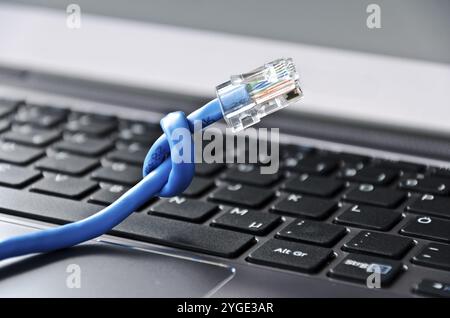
{"type": "Point", "coordinates": [248, 97]}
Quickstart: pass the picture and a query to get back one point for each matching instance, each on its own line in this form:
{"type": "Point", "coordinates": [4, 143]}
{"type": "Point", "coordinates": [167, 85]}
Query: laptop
{"type": "Point", "coordinates": [359, 207]}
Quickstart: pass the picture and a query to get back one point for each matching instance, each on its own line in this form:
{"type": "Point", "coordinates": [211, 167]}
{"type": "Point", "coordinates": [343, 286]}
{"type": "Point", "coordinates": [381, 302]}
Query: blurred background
{"type": "Point", "coordinates": [410, 28]}
{"type": "Point", "coordinates": [397, 74]}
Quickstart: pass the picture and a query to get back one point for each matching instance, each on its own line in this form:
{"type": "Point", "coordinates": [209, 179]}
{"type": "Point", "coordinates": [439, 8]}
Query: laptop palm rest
{"type": "Point", "coordinates": [98, 269]}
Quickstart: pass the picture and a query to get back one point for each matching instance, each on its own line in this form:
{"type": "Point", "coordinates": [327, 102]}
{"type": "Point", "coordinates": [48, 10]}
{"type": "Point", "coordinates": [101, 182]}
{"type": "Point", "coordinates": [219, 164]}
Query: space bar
{"type": "Point", "coordinates": [44, 208]}
{"type": "Point", "coordinates": [184, 235]}
{"type": "Point", "coordinates": [138, 226]}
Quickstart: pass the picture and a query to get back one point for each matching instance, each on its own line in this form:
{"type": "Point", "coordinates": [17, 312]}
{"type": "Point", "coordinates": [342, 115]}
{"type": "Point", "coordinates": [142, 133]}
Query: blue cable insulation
{"type": "Point", "coordinates": [162, 177]}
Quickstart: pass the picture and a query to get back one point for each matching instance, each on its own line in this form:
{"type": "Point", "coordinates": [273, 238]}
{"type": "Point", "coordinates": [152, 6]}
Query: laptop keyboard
{"type": "Point", "coordinates": [60, 166]}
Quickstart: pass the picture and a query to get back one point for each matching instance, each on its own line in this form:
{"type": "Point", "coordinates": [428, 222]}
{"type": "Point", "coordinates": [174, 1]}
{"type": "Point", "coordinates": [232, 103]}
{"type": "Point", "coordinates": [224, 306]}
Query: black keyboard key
{"type": "Point", "coordinates": [120, 173]}
{"type": "Point", "coordinates": [144, 141]}
{"type": "Point", "coordinates": [7, 107]}
{"type": "Point", "coordinates": [93, 116]}
{"type": "Point", "coordinates": [349, 159]}
{"type": "Point", "coordinates": [43, 207]}
{"type": "Point", "coordinates": [369, 194]}
{"type": "Point", "coordinates": [108, 194]}
{"type": "Point", "coordinates": [184, 209]}
{"type": "Point", "coordinates": [303, 206]}
{"type": "Point", "coordinates": [16, 177]}
{"type": "Point", "coordinates": [381, 244]}
{"type": "Point", "coordinates": [431, 205]}
{"type": "Point", "coordinates": [428, 184]}
{"type": "Point", "coordinates": [369, 217]}
{"type": "Point", "coordinates": [362, 268]}
{"type": "Point", "coordinates": [312, 232]}
{"type": "Point", "coordinates": [405, 167]}
{"type": "Point", "coordinates": [208, 169]}
{"type": "Point", "coordinates": [291, 255]}
{"type": "Point", "coordinates": [65, 163]}
{"type": "Point", "coordinates": [41, 116]}
{"type": "Point", "coordinates": [434, 255]}
{"type": "Point", "coordinates": [64, 186]}
{"type": "Point", "coordinates": [427, 227]}
{"type": "Point", "coordinates": [250, 174]}
{"type": "Point", "coordinates": [11, 152]}
{"type": "Point", "coordinates": [30, 136]}
{"type": "Point", "coordinates": [312, 164]}
{"type": "Point", "coordinates": [441, 172]}
{"type": "Point", "coordinates": [139, 128]}
{"type": "Point", "coordinates": [320, 186]}
{"type": "Point", "coordinates": [179, 234]}
{"type": "Point", "coordinates": [139, 132]}
{"type": "Point", "coordinates": [5, 124]}
{"type": "Point", "coordinates": [91, 125]}
{"type": "Point", "coordinates": [433, 288]}
{"type": "Point", "coordinates": [295, 151]}
{"type": "Point", "coordinates": [249, 221]}
{"type": "Point", "coordinates": [82, 145]}
{"type": "Point", "coordinates": [198, 186]}
{"type": "Point", "coordinates": [132, 154]}
{"type": "Point", "coordinates": [368, 175]}
{"type": "Point", "coordinates": [242, 195]}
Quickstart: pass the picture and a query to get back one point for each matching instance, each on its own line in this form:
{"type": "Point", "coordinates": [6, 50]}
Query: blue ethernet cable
{"type": "Point", "coordinates": [242, 102]}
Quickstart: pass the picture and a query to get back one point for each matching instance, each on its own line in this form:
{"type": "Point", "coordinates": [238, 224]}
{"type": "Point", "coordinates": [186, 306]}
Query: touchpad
{"type": "Point", "coordinates": [96, 269]}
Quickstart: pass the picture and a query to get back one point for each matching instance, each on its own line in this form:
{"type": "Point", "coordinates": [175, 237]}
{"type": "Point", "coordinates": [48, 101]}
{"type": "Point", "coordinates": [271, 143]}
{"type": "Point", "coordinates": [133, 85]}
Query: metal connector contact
{"type": "Point", "coordinates": [248, 97]}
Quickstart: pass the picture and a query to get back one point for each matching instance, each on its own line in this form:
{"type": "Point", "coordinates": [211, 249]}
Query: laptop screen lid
{"type": "Point", "coordinates": [397, 84]}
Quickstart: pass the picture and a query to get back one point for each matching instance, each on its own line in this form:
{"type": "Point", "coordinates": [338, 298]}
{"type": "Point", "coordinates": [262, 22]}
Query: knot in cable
{"type": "Point", "coordinates": [175, 145]}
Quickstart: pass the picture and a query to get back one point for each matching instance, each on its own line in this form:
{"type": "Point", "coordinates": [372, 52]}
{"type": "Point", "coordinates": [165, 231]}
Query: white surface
{"type": "Point", "coordinates": [342, 83]}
